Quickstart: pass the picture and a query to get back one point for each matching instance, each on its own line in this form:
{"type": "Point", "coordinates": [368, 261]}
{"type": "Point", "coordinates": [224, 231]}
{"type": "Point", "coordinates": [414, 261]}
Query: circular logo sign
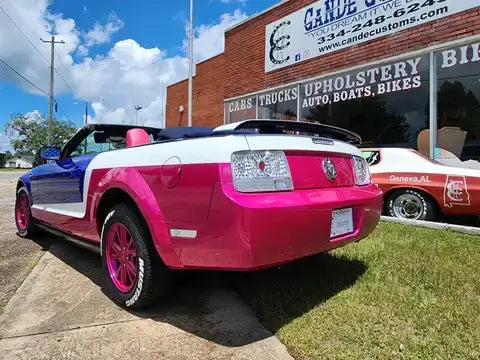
{"type": "Point", "coordinates": [329, 169]}
{"type": "Point", "coordinates": [279, 42]}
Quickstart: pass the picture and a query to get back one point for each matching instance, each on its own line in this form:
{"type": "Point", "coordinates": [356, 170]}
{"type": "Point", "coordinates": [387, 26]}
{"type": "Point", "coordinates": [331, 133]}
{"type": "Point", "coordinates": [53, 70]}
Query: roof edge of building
{"type": "Point", "coordinates": [201, 62]}
{"type": "Point", "coordinates": [260, 13]}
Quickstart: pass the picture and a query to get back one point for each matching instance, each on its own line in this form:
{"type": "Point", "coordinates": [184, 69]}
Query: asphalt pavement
{"type": "Point", "coordinates": [52, 306]}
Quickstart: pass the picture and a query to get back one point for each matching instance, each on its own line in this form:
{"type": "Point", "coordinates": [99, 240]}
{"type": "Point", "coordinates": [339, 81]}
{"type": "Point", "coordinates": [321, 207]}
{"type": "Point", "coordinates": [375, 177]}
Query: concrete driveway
{"type": "Point", "coordinates": [60, 311]}
{"type": "Point", "coordinates": [17, 256]}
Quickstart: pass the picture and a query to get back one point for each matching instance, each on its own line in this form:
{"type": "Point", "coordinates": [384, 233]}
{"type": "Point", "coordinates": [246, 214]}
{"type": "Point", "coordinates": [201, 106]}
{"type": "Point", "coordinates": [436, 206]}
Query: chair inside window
{"type": "Point", "coordinates": [451, 139]}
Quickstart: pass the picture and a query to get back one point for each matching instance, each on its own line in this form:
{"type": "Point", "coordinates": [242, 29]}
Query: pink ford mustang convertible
{"type": "Point", "coordinates": [243, 196]}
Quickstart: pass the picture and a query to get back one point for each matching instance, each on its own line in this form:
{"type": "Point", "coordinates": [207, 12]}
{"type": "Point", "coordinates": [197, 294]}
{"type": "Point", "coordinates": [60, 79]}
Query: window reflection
{"type": "Point", "coordinates": [459, 102]}
{"type": "Point", "coordinates": [387, 105]}
{"type": "Point", "coordinates": [241, 109]}
{"type": "Point", "coordinates": [279, 104]}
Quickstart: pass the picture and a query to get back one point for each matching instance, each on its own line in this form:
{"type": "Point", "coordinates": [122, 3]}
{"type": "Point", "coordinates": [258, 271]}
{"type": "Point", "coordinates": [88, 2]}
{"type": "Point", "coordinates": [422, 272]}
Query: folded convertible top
{"type": "Point", "coordinates": [264, 127]}
{"type": "Point", "coordinates": [294, 127]}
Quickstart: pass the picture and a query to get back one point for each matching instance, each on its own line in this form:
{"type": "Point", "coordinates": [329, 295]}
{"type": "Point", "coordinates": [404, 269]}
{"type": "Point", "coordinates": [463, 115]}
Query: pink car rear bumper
{"type": "Point", "coordinates": [254, 231]}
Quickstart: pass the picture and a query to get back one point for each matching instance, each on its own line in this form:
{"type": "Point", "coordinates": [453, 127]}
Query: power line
{"type": "Point", "coordinates": [59, 58]}
{"type": "Point", "coordinates": [46, 60]}
{"type": "Point", "coordinates": [38, 50]}
{"type": "Point", "coordinates": [62, 110]}
{"type": "Point", "coordinates": [23, 77]}
{"type": "Point", "coordinates": [21, 31]}
{"type": "Point", "coordinates": [59, 74]}
{"type": "Point", "coordinates": [35, 86]}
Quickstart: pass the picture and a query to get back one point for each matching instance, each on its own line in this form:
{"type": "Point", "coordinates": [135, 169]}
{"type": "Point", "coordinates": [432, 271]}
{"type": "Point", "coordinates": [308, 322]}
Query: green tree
{"type": "Point", "coordinates": [29, 134]}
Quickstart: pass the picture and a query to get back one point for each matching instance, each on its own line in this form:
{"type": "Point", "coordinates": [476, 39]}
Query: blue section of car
{"type": "Point", "coordinates": [61, 181]}
{"type": "Point", "coordinates": [25, 179]}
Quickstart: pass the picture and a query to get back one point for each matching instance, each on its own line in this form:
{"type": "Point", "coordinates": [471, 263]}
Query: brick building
{"type": "Point", "coordinates": [386, 69]}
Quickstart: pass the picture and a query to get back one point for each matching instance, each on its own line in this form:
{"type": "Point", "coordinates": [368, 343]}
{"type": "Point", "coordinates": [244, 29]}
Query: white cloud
{"type": "Point", "coordinates": [100, 33]}
{"type": "Point", "coordinates": [209, 39]}
{"type": "Point", "coordinates": [33, 116]}
{"type": "Point", "coordinates": [5, 144]}
{"type": "Point", "coordinates": [127, 75]}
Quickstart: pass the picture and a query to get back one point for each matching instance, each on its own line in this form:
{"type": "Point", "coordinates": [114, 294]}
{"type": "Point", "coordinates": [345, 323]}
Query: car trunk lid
{"type": "Point", "coordinates": [309, 159]}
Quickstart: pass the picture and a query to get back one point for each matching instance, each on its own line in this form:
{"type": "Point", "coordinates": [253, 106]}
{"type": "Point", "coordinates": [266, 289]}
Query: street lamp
{"type": "Point", "coordinates": [137, 109]}
{"type": "Point", "coordinates": [85, 119]}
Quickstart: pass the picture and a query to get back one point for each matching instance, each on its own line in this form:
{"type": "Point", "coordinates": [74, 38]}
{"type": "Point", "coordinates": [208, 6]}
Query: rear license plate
{"type": "Point", "coordinates": [342, 222]}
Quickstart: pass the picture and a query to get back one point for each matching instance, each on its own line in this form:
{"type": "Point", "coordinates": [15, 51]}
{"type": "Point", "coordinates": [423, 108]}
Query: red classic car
{"type": "Point", "coordinates": [418, 188]}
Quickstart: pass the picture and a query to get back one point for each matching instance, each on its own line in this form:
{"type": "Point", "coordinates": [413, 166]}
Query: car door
{"type": "Point", "coordinates": [59, 184]}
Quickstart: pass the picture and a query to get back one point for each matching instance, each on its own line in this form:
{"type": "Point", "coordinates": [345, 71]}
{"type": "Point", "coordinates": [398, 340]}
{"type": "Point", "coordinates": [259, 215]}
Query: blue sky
{"type": "Point", "coordinates": [118, 53]}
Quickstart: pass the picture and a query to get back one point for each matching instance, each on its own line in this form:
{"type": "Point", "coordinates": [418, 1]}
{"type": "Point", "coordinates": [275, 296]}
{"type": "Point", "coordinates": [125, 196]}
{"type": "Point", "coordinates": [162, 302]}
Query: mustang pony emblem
{"type": "Point", "coordinates": [329, 169]}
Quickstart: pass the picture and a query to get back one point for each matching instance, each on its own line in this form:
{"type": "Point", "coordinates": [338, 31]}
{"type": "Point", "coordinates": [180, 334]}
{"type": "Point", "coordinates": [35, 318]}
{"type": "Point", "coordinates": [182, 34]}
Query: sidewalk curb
{"type": "Point", "coordinates": [433, 225]}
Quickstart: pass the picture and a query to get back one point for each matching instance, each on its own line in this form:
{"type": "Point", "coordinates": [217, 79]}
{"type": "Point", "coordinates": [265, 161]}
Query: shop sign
{"type": "Point", "coordinates": [278, 96]}
{"type": "Point", "coordinates": [241, 105]}
{"type": "Point", "coordinates": [463, 55]}
{"type": "Point", "coordinates": [388, 78]}
{"type": "Point", "coordinates": [329, 25]}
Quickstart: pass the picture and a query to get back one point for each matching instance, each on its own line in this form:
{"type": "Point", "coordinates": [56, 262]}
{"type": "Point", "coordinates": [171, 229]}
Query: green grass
{"type": "Point", "coordinates": [402, 293]}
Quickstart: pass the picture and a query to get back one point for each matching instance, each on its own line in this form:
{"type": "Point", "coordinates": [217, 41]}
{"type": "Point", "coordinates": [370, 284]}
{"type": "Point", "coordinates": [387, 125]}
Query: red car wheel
{"type": "Point", "coordinates": [412, 205]}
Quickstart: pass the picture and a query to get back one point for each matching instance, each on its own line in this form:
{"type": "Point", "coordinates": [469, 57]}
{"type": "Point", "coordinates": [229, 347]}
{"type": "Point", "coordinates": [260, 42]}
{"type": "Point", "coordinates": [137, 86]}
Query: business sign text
{"type": "Point", "coordinates": [384, 79]}
{"type": "Point", "coordinates": [330, 25]}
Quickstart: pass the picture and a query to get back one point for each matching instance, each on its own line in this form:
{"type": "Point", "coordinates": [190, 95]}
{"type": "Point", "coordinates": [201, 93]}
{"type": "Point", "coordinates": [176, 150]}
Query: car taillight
{"type": "Point", "coordinates": [261, 171]}
{"type": "Point", "coordinates": [362, 173]}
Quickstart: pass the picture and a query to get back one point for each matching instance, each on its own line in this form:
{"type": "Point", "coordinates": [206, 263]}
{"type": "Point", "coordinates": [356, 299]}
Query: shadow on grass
{"type": "Point", "coordinates": [280, 295]}
{"type": "Point", "coordinates": [203, 304]}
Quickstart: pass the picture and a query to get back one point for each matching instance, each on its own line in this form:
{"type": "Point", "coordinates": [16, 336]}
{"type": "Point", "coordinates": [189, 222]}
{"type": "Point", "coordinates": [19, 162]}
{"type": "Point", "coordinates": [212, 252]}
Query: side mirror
{"type": "Point", "coordinates": [50, 153]}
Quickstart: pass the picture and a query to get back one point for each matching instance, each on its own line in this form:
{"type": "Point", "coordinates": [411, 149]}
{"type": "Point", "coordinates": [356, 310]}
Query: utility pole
{"type": "Point", "coordinates": [190, 66]}
{"type": "Point", "coordinates": [86, 113]}
{"type": "Point", "coordinates": [85, 123]}
{"type": "Point", "coordinates": [52, 78]}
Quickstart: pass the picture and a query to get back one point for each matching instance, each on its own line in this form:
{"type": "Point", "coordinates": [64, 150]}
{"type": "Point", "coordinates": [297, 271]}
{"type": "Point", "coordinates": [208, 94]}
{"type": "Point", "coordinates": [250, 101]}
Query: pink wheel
{"type": "Point", "coordinates": [23, 214]}
{"type": "Point", "coordinates": [135, 275]}
{"type": "Point", "coordinates": [121, 257]}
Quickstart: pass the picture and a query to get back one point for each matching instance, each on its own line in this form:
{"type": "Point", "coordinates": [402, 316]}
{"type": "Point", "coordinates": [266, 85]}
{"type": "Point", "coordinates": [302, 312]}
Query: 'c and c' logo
{"type": "Point", "coordinates": [456, 191]}
{"type": "Point", "coordinates": [329, 169]}
{"type": "Point", "coordinates": [278, 43]}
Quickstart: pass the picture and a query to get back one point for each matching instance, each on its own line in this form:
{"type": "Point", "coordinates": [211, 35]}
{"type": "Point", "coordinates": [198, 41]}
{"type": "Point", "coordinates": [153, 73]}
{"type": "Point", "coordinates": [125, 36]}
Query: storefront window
{"type": "Point", "coordinates": [280, 104]}
{"type": "Point", "coordinates": [387, 105]}
{"type": "Point", "coordinates": [241, 109]}
{"type": "Point", "coordinates": [458, 71]}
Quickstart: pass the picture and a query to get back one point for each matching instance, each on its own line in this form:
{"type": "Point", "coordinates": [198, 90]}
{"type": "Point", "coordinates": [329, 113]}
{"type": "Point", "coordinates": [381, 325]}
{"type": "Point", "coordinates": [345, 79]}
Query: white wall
{"type": "Point", "coordinates": [18, 163]}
